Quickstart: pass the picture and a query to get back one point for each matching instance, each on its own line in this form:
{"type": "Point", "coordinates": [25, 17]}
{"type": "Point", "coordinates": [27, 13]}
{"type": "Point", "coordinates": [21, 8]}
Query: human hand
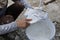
{"type": "Point", "coordinates": [23, 23]}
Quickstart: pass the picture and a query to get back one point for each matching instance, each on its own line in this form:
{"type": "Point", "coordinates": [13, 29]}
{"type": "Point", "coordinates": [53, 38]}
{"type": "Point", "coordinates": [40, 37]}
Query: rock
{"type": "Point", "coordinates": [17, 38]}
{"type": "Point", "coordinates": [1, 38]}
{"type": "Point", "coordinates": [57, 29]}
{"type": "Point", "coordinates": [48, 1]}
{"type": "Point", "coordinates": [57, 38]}
{"type": "Point", "coordinates": [53, 10]}
{"type": "Point", "coordinates": [58, 19]}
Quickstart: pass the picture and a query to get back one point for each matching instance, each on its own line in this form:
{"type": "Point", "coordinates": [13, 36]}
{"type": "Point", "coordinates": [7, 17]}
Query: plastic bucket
{"type": "Point", "coordinates": [34, 31]}
{"type": "Point", "coordinates": [42, 29]}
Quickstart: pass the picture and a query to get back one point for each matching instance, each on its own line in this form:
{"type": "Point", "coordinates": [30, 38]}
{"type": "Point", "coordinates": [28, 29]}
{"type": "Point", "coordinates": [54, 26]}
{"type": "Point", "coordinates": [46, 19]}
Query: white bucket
{"type": "Point", "coordinates": [41, 28]}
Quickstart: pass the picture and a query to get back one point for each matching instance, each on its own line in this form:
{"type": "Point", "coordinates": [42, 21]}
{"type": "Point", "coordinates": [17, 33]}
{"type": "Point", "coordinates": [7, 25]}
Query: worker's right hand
{"type": "Point", "coordinates": [23, 23]}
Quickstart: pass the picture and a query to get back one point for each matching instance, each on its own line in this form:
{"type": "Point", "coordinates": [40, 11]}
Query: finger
{"type": "Point", "coordinates": [28, 19]}
{"type": "Point", "coordinates": [27, 24]}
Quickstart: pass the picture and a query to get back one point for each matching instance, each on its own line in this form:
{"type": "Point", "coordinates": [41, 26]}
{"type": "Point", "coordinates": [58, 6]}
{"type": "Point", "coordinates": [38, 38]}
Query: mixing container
{"type": "Point", "coordinates": [41, 27]}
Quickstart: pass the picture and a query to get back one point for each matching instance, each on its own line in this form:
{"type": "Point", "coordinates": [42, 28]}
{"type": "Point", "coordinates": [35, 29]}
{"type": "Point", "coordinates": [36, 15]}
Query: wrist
{"type": "Point", "coordinates": [17, 24]}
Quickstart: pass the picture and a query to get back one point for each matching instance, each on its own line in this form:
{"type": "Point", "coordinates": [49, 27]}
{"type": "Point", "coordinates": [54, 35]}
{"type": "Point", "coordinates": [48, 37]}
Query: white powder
{"type": "Point", "coordinates": [39, 31]}
{"type": "Point", "coordinates": [42, 38]}
{"type": "Point", "coordinates": [43, 29]}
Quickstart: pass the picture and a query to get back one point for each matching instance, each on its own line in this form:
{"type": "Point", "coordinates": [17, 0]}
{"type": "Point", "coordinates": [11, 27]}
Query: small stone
{"type": "Point", "coordinates": [48, 1]}
{"type": "Point", "coordinates": [17, 37]}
